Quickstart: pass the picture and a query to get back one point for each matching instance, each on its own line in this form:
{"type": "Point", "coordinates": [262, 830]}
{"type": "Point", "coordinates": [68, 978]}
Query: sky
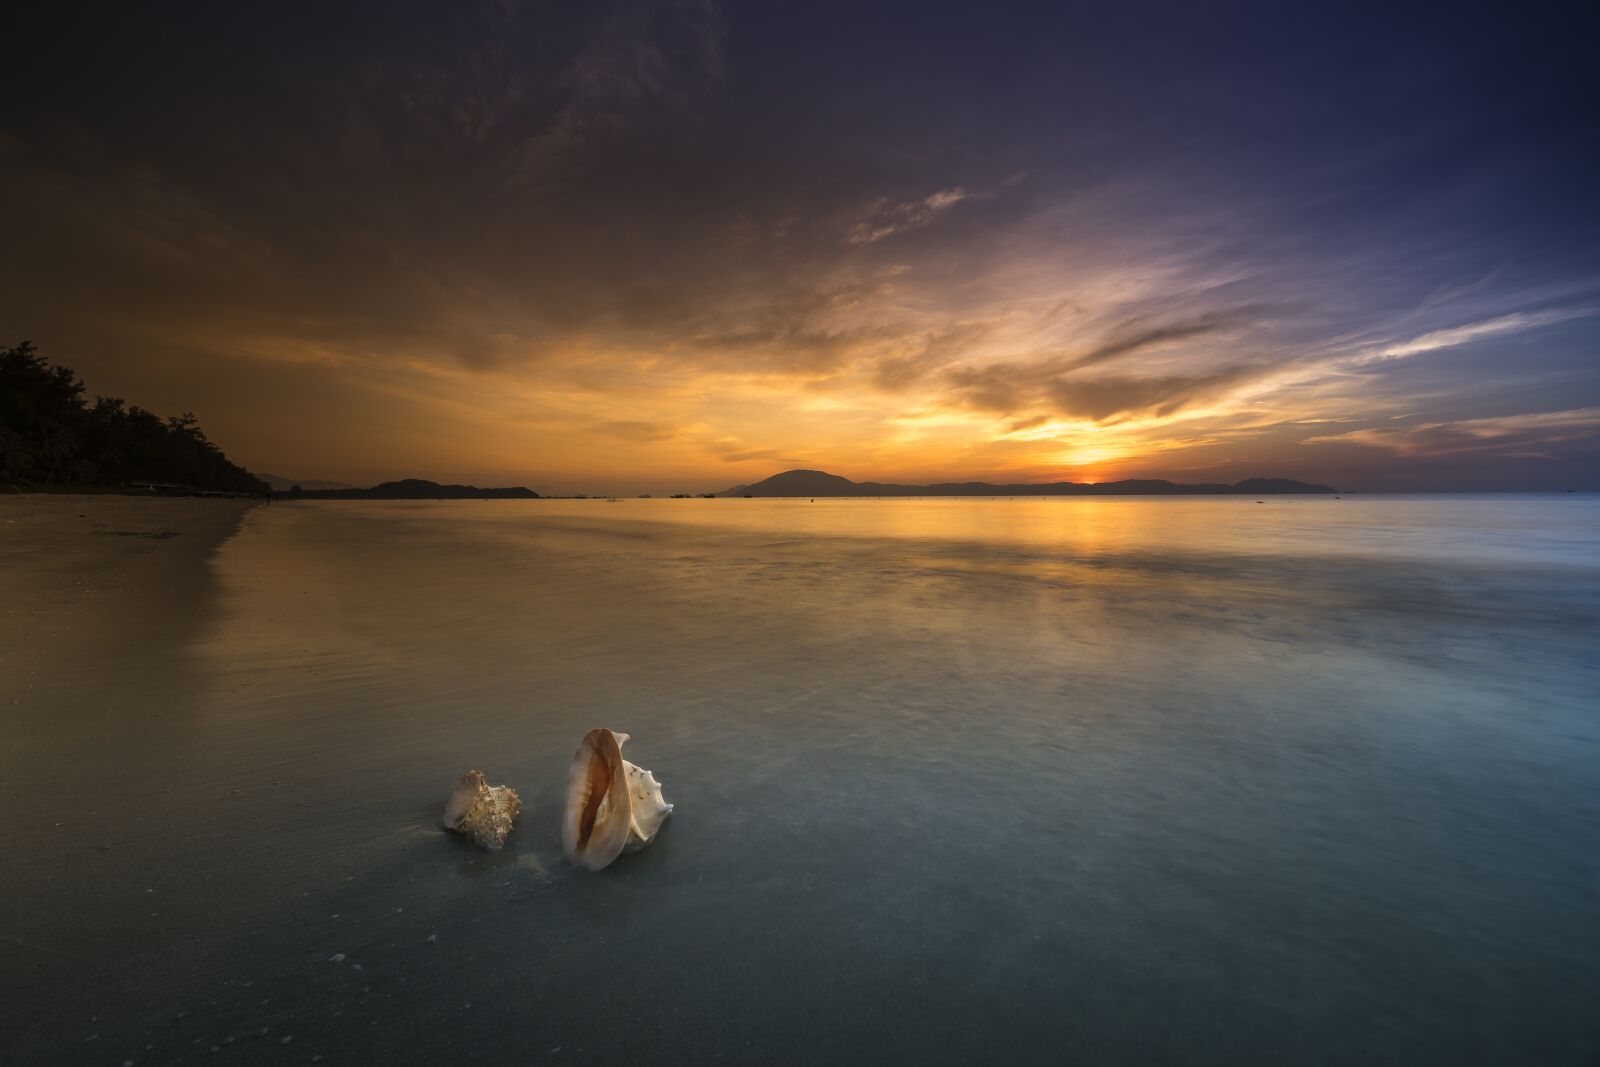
{"type": "Point", "coordinates": [653, 247]}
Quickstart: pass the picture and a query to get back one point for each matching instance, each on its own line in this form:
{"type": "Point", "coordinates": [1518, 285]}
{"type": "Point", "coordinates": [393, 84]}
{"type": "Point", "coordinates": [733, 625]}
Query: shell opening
{"type": "Point", "coordinates": [598, 783]}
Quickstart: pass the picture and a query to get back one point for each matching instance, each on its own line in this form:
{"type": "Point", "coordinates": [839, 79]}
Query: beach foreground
{"type": "Point", "coordinates": [1116, 781]}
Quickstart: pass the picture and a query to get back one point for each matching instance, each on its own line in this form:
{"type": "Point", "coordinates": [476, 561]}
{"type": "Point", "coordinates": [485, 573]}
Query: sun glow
{"type": "Point", "coordinates": [1080, 456]}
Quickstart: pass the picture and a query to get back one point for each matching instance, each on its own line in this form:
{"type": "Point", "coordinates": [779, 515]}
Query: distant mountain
{"type": "Point", "coordinates": [416, 489]}
{"type": "Point", "coordinates": [820, 483]}
{"type": "Point", "coordinates": [282, 485]}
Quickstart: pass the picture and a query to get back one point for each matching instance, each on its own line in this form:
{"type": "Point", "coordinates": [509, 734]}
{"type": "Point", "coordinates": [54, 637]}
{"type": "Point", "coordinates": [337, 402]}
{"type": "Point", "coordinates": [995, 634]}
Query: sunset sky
{"type": "Point", "coordinates": [656, 247]}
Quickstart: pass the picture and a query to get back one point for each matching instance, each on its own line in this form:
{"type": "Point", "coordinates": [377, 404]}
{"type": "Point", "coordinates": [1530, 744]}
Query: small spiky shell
{"type": "Point", "coordinates": [482, 812]}
{"type": "Point", "coordinates": [612, 806]}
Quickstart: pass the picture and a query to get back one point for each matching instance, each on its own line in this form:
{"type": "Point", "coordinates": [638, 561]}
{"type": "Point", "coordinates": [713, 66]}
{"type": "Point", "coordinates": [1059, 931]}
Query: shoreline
{"type": "Point", "coordinates": [90, 578]}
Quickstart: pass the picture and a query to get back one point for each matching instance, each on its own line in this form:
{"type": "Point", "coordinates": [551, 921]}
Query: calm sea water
{"type": "Point", "coordinates": [1198, 781]}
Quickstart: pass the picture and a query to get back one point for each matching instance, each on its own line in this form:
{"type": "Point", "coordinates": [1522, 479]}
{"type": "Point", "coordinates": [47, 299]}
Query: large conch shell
{"type": "Point", "coordinates": [612, 806]}
{"type": "Point", "coordinates": [481, 811]}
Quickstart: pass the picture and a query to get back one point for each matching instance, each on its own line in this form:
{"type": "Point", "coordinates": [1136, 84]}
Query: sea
{"type": "Point", "coordinates": [1211, 780]}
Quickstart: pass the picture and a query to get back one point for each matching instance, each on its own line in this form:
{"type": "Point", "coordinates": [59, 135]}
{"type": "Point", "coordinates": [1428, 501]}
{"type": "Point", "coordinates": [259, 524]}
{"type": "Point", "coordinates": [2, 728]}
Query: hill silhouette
{"type": "Point", "coordinates": [821, 483]}
{"type": "Point", "coordinates": [49, 438]}
{"type": "Point", "coordinates": [416, 489]}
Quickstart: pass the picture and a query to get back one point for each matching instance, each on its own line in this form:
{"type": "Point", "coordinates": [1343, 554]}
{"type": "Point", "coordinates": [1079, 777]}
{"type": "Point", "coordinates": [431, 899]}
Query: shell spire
{"type": "Point", "coordinates": [612, 805]}
{"type": "Point", "coordinates": [481, 811]}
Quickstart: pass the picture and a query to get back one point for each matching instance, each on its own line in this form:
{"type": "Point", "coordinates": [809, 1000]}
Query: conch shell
{"type": "Point", "coordinates": [481, 811]}
{"type": "Point", "coordinates": [612, 806]}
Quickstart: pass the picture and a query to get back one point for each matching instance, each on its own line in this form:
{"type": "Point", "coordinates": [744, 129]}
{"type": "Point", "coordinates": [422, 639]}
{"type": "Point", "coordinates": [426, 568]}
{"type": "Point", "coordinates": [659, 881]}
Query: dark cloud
{"type": "Point", "coordinates": [458, 174]}
{"type": "Point", "coordinates": [1138, 334]}
{"type": "Point", "coordinates": [1008, 387]}
{"type": "Point", "coordinates": [1018, 425]}
{"type": "Point", "coordinates": [1104, 398]}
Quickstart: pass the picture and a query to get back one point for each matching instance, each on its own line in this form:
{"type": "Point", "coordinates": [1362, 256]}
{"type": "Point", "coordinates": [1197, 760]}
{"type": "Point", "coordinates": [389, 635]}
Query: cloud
{"type": "Point", "coordinates": [1051, 381]}
{"type": "Point", "coordinates": [1477, 331]}
{"type": "Point", "coordinates": [1003, 388]}
{"type": "Point", "coordinates": [936, 348]}
{"type": "Point", "coordinates": [527, 233]}
{"type": "Point", "coordinates": [636, 431]}
{"type": "Point", "coordinates": [1100, 399]}
{"type": "Point", "coordinates": [805, 330]}
{"type": "Point", "coordinates": [637, 63]}
{"type": "Point", "coordinates": [1529, 435]}
{"type": "Point", "coordinates": [885, 220]}
{"type": "Point", "coordinates": [1134, 336]}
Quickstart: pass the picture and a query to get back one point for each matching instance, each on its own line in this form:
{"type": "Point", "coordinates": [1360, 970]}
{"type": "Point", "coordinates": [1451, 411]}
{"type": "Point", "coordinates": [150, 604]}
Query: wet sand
{"type": "Point", "coordinates": [1116, 781]}
{"type": "Point", "coordinates": [101, 600]}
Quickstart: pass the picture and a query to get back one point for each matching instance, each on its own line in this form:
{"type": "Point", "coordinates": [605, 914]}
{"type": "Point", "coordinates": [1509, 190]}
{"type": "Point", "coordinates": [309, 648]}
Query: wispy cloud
{"type": "Point", "coordinates": [1476, 331]}
{"type": "Point", "coordinates": [932, 349]}
{"type": "Point", "coordinates": [1528, 434]}
{"type": "Point", "coordinates": [808, 330]}
{"type": "Point", "coordinates": [886, 220]}
{"type": "Point", "coordinates": [637, 431]}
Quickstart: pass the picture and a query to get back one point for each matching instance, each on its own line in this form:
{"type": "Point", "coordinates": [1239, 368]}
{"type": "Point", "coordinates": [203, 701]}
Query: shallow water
{"type": "Point", "coordinates": [1106, 781]}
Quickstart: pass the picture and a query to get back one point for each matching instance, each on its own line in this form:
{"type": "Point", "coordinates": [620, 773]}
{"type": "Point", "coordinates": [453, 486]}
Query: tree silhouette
{"type": "Point", "coordinates": [49, 437]}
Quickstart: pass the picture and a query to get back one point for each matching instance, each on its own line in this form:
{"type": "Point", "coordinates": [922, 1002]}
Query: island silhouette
{"type": "Point", "coordinates": [821, 483]}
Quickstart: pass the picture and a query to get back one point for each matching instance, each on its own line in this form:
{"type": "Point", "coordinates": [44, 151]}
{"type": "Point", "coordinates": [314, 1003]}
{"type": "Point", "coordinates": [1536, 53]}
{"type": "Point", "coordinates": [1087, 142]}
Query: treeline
{"type": "Point", "coordinates": [49, 436]}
